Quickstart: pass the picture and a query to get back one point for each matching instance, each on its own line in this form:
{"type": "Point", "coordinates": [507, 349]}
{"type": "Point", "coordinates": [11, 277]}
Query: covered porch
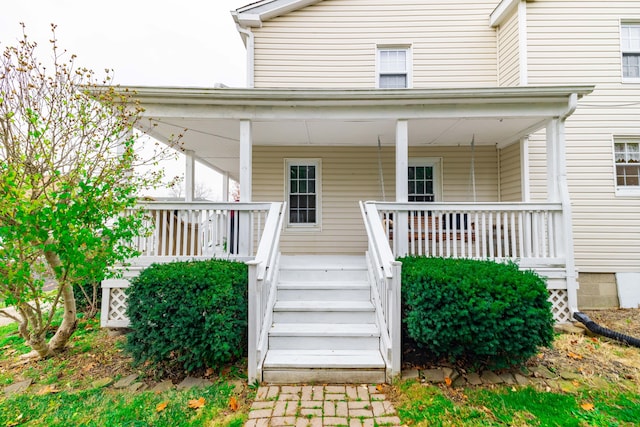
{"type": "Point", "coordinates": [390, 173]}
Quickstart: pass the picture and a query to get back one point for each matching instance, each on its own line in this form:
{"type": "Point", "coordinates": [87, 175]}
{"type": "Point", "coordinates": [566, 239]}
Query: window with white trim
{"type": "Point", "coordinates": [630, 47]}
{"type": "Point", "coordinates": [303, 192]}
{"type": "Point", "coordinates": [424, 182]}
{"type": "Point", "coordinates": [394, 67]}
{"type": "Point", "coordinates": [627, 158]}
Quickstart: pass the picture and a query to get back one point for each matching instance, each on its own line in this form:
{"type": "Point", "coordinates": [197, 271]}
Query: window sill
{"type": "Point", "coordinates": [311, 228]}
{"type": "Point", "coordinates": [631, 80]}
{"type": "Point", "coordinates": [628, 192]}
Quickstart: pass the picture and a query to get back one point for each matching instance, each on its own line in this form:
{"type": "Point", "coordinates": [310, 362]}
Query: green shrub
{"type": "Point", "coordinates": [478, 313]}
{"type": "Point", "coordinates": [189, 315]}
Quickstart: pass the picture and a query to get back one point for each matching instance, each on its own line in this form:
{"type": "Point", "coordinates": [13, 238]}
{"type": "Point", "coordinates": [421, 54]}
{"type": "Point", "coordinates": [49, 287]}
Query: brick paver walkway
{"type": "Point", "coordinates": [328, 405]}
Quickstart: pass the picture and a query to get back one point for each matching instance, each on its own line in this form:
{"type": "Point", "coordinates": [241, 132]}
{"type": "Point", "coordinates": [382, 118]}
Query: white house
{"type": "Point", "coordinates": [373, 129]}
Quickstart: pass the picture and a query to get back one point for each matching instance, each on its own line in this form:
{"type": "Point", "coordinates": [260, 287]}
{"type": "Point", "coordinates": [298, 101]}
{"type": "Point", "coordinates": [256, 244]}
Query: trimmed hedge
{"type": "Point", "coordinates": [189, 315]}
{"type": "Point", "coordinates": [480, 314]}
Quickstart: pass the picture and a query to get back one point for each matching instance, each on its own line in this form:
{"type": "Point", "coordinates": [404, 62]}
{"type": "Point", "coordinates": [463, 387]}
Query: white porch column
{"type": "Point", "coordinates": [225, 187]}
{"type": "Point", "coordinates": [401, 223]}
{"type": "Point", "coordinates": [189, 175]}
{"type": "Point", "coordinates": [246, 170]}
{"type": "Point", "coordinates": [558, 191]}
{"type": "Point", "coordinates": [553, 172]}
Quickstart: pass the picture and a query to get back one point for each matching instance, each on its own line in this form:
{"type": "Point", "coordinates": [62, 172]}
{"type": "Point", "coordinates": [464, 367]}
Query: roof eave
{"type": "Point", "coordinates": [253, 15]}
{"type": "Point", "coordinates": [317, 97]}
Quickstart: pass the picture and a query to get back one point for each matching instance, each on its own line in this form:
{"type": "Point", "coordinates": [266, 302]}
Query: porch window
{"type": "Point", "coordinates": [393, 68]}
{"type": "Point", "coordinates": [421, 184]}
{"type": "Point", "coordinates": [424, 180]}
{"type": "Point", "coordinates": [627, 158]}
{"type": "Point", "coordinates": [630, 47]}
{"type": "Point", "coordinates": [303, 186]}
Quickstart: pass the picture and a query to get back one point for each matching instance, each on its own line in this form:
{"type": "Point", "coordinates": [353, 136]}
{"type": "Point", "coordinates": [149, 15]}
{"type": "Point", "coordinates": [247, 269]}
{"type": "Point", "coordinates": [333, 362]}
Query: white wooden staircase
{"type": "Point", "coordinates": [324, 324]}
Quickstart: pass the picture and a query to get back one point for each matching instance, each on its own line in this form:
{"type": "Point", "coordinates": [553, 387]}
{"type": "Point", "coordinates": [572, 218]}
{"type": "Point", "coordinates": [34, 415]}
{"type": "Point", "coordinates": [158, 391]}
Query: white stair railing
{"type": "Point", "coordinates": [263, 278]}
{"type": "Point", "coordinates": [385, 274]}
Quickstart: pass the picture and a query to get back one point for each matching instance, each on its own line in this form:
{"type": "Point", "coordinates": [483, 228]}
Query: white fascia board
{"type": "Point", "coordinates": [502, 11]}
{"type": "Point", "coordinates": [255, 14]}
{"type": "Point", "coordinates": [319, 97]}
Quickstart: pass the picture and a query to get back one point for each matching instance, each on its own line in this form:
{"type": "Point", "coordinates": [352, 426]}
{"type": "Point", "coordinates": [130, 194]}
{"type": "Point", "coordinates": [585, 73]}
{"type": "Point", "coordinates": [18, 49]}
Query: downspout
{"type": "Point", "coordinates": [570, 263]}
{"type": "Point", "coordinates": [250, 54]}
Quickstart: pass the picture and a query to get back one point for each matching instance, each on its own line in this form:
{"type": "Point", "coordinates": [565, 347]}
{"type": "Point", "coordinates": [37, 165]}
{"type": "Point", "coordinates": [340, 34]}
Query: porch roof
{"type": "Point", "coordinates": [209, 118]}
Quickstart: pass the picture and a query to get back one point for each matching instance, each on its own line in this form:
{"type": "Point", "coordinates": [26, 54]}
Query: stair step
{"type": "Point", "coordinates": [312, 262]}
{"type": "Point", "coordinates": [323, 359]}
{"type": "Point", "coordinates": [331, 306]}
{"type": "Point", "coordinates": [322, 285]}
{"type": "Point", "coordinates": [324, 336]}
{"type": "Point", "coordinates": [323, 294]}
{"type": "Point", "coordinates": [323, 312]}
{"type": "Point", "coordinates": [324, 329]}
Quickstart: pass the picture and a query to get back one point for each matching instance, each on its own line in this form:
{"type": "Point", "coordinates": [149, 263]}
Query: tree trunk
{"type": "Point", "coordinates": [69, 320]}
{"type": "Point", "coordinates": [69, 317]}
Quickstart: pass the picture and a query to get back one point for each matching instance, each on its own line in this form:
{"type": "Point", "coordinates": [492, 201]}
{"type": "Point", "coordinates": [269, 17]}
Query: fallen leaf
{"type": "Point", "coordinates": [448, 381]}
{"type": "Point", "coordinates": [161, 406]}
{"type": "Point", "coordinates": [89, 366]}
{"type": "Point", "coordinates": [540, 356]}
{"type": "Point", "coordinates": [379, 388]}
{"type": "Point", "coordinates": [48, 389]}
{"type": "Point", "coordinates": [196, 403]}
{"type": "Point", "coordinates": [233, 403]}
{"type": "Point", "coordinates": [587, 406]}
{"type": "Point", "coordinates": [574, 355]}
{"type": "Point", "coordinates": [209, 372]}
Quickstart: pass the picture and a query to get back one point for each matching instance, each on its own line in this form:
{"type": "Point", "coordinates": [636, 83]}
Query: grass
{"type": "Point", "coordinates": [420, 405]}
{"type": "Point", "coordinates": [62, 393]}
{"type": "Point", "coordinates": [104, 407]}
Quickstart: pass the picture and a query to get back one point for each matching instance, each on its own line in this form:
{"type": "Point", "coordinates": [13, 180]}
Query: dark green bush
{"type": "Point", "coordinates": [189, 315]}
{"type": "Point", "coordinates": [477, 313]}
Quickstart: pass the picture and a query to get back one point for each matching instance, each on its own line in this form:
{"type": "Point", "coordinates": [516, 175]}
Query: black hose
{"type": "Point", "coordinates": [595, 328]}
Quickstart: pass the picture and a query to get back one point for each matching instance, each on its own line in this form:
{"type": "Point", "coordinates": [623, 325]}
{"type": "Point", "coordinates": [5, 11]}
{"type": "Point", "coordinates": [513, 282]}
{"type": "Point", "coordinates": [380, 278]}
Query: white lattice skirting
{"type": "Point", "coordinates": [559, 299]}
{"type": "Point", "coordinates": [114, 304]}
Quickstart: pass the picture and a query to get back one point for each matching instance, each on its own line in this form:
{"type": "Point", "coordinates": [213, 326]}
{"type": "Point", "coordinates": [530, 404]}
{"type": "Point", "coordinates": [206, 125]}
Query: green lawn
{"type": "Point", "coordinates": [517, 406]}
{"type": "Point", "coordinates": [74, 401]}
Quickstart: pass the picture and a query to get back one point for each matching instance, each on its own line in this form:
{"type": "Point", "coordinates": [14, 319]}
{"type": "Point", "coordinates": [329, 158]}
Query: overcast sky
{"type": "Point", "coordinates": [146, 42]}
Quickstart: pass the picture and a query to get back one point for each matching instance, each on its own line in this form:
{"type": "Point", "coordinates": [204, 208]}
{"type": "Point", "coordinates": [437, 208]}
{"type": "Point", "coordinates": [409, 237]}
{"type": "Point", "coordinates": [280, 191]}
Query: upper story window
{"type": "Point", "coordinates": [627, 158]}
{"type": "Point", "coordinates": [630, 47]}
{"type": "Point", "coordinates": [394, 67]}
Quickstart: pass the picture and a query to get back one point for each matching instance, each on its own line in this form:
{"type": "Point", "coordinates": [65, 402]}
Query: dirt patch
{"type": "Point", "coordinates": [590, 357]}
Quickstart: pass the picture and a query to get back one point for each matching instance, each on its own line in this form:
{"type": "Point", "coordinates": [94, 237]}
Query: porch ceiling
{"type": "Point", "coordinates": [209, 119]}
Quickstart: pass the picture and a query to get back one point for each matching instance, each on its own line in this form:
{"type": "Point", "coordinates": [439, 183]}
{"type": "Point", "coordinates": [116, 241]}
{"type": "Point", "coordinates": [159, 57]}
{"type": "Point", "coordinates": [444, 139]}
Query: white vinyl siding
{"type": "Point", "coordinates": [510, 174]}
{"type": "Point", "coordinates": [508, 52]}
{"type": "Point", "coordinates": [581, 45]}
{"type": "Point", "coordinates": [350, 174]}
{"type": "Point", "coordinates": [332, 44]}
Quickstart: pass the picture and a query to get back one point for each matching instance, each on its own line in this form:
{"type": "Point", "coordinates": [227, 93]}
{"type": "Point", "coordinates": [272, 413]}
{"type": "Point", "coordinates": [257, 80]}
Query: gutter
{"type": "Point", "coordinates": [250, 44]}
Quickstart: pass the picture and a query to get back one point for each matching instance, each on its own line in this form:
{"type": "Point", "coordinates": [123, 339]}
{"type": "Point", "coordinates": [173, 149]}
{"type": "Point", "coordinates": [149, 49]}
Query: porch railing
{"type": "Point", "coordinates": [385, 274]}
{"type": "Point", "coordinates": [187, 231]}
{"type": "Point", "coordinates": [192, 230]}
{"type": "Point", "coordinates": [263, 272]}
{"type": "Point", "coordinates": [531, 233]}
{"type": "Point", "coordinates": [535, 235]}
